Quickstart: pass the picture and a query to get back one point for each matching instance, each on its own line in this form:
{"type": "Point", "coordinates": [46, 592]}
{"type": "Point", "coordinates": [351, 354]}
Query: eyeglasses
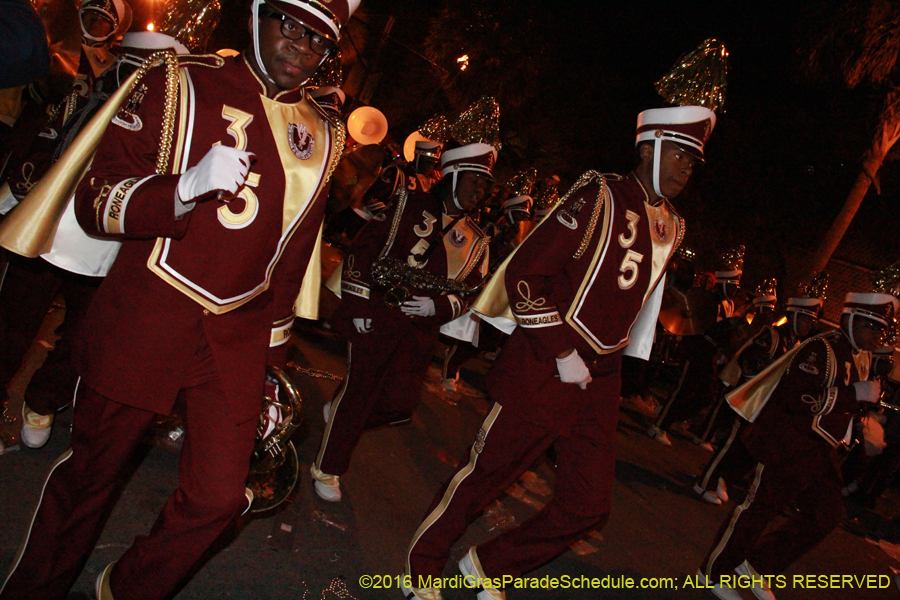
{"type": "Point", "coordinates": [294, 31]}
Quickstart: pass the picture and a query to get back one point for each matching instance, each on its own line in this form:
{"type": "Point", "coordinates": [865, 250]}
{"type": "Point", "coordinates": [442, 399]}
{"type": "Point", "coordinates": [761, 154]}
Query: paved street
{"type": "Point", "coordinates": [659, 528]}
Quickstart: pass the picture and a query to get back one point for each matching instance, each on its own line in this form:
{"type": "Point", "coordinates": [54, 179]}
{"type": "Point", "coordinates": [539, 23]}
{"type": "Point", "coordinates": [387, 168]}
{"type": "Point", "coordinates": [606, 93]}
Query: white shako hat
{"type": "Point", "coordinates": [731, 265]}
{"type": "Point", "coordinates": [117, 11]}
{"type": "Point", "coordinates": [329, 97]}
{"type": "Point", "coordinates": [429, 148]}
{"type": "Point", "coordinates": [476, 157]}
{"type": "Point", "coordinates": [766, 294]}
{"type": "Point", "coordinates": [325, 18]}
{"type": "Point", "coordinates": [806, 306]}
{"type": "Point", "coordinates": [686, 126]}
{"type": "Point", "coordinates": [879, 307]}
{"type": "Point", "coordinates": [810, 298]}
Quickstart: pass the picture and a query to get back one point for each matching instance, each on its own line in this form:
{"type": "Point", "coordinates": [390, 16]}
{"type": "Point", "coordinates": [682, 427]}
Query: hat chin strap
{"type": "Point", "coordinates": [849, 333]}
{"type": "Point", "coordinates": [657, 150]}
{"type": "Point", "coordinates": [455, 199]}
{"type": "Point", "coordinates": [255, 33]}
{"type": "Point", "coordinates": [795, 323]}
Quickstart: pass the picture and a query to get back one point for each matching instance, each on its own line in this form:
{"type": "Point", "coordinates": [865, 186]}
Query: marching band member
{"type": "Point", "coordinates": [575, 287]}
{"type": "Point", "coordinates": [801, 409]}
{"type": "Point", "coordinates": [218, 193]}
{"type": "Point", "coordinates": [392, 332]}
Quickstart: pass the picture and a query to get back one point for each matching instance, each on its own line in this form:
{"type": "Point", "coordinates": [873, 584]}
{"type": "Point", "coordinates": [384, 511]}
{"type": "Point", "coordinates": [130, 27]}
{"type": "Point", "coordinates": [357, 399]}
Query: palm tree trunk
{"type": "Point", "coordinates": [887, 135]}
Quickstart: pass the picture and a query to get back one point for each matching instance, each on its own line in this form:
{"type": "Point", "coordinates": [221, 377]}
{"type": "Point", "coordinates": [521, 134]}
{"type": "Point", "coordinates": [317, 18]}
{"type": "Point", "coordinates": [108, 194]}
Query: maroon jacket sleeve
{"type": "Point", "coordinates": [358, 290]}
{"type": "Point", "coordinates": [537, 280]}
{"type": "Point", "coordinates": [121, 195]}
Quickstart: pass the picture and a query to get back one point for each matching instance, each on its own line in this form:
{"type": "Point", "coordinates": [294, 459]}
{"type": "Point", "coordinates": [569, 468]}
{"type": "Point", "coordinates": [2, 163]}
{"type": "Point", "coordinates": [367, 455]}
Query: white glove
{"type": "Point", "coordinates": [363, 325]}
{"type": "Point", "coordinates": [419, 306]}
{"type": "Point", "coordinates": [223, 169]}
{"type": "Point", "coordinates": [573, 370]}
{"type": "Point", "coordinates": [867, 391]}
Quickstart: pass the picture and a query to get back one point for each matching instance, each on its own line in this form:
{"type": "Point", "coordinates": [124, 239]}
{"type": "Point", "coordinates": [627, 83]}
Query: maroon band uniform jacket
{"type": "Point", "coordinates": [589, 303]}
{"type": "Point", "coordinates": [229, 272]}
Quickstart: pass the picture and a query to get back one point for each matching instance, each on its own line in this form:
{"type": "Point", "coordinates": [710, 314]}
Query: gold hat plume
{"type": "Point", "coordinates": [733, 259]}
{"type": "Point", "coordinates": [191, 22]}
{"type": "Point", "coordinates": [330, 73]}
{"type": "Point", "coordinates": [437, 129]}
{"type": "Point", "coordinates": [815, 288]}
{"type": "Point", "coordinates": [698, 78]}
{"type": "Point", "coordinates": [767, 288]}
{"type": "Point", "coordinates": [522, 183]}
{"type": "Point", "coordinates": [547, 198]}
{"type": "Point", "coordinates": [887, 280]}
{"type": "Point", "coordinates": [480, 123]}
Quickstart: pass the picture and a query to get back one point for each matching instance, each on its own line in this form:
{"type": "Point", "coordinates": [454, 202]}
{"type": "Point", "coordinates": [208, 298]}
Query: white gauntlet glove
{"type": "Point", "coordinates": [363, 325]}
{"type": "Point", "coordinates": [867, 391]}
{"type": "Point", "coordinates": [223, 169]}
{"type": "Point", "coordinates": [573, 370]}
{"type": "Point", "coordinates": [419, 306]}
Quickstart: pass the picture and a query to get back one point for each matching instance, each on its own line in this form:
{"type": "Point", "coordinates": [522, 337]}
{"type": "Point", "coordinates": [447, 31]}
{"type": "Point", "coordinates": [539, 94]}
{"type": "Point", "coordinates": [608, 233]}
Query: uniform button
{"type": "Point", "coordinates": [205, 312]}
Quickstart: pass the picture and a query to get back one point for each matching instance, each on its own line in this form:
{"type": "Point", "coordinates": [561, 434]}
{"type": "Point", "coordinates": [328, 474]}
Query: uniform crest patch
{"type": "Point", "coordinates": [567, 217]}
{"type": "Point", "coordinates": [661, 230]}
{"type": "Point", "coordinates": [301, 141]}
{"type": "Point", "coordinates": [567, 220]}
{"type": "Point", "coordinates": [457, 238]}
{"type": "Point", "coordinates": [125, 117]}
{"type": "Point", "coordinates": [810, 365]}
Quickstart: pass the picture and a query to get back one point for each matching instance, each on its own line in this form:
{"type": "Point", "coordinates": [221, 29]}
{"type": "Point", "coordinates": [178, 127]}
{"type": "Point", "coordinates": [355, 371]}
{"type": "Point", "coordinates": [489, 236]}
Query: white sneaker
{"type": "Point", "coordinates": [722, 490]}
{"type": "Point", "coordinates": [467, 566]}
{"type": "Point", "coordinates": [326, 412]}
{"type": "Point", "coordinates": [707, 495]}
{"type": "Point", "coordinates": [659, 435]}
{"type": "Point", "coordinates": [450, 385]}
{"type": "Point", "coordinates": [420, 593]}
{"type": "Point", "coordinates": [763, 591]}
{"type": "Point", "coordinates": [328, 487]}
{"type": "Point", "coordinates": [35, 428]}
{"type": "Point", "coordinates": [723, 593]}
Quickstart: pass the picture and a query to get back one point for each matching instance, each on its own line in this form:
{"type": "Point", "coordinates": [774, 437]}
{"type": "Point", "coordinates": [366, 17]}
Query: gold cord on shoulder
{"type": "Point", "coordinates": [482, 244]}
{"type": "Point", "coordinates": [340, 135]}
{"type": "Point", "coordinates": [586, 178]}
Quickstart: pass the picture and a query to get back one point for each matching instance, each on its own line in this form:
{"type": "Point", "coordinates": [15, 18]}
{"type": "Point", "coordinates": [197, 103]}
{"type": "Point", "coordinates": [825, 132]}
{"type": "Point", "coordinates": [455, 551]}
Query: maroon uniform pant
{"type": "Point", "coordinates": [29, 287]}
{"type": "Point", "coordinates": [814, 492]}
{"type": "Point", "coordinates": [732, 462]}
{"type": "Point", "coordinates": [385, 370]}
{"type": "Point", "coordinates": [84, 483]}
{"type": "Point", "coordinates": [504, 448]}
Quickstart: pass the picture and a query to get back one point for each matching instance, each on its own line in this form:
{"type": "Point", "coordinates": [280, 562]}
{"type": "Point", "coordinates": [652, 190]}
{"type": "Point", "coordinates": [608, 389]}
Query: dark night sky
{"type": "Point", "coordinates": [781, 159]}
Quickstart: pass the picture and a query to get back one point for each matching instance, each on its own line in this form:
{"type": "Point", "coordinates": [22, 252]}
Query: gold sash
{"type": "Point", "coordinates": [30, 227]}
